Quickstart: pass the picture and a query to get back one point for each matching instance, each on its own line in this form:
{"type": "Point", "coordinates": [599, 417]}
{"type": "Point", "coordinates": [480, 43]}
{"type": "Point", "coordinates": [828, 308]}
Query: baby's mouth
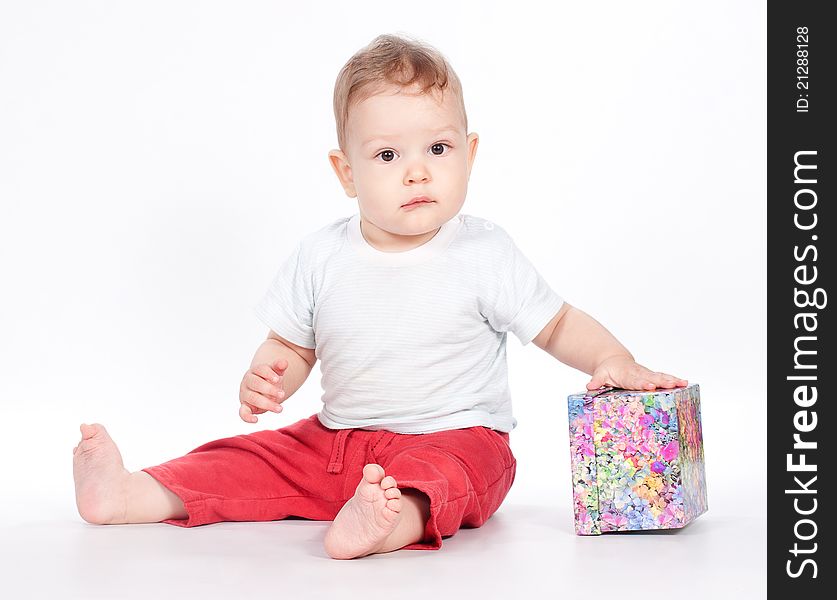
{"type": "Point", "coordinates": [418, 200]}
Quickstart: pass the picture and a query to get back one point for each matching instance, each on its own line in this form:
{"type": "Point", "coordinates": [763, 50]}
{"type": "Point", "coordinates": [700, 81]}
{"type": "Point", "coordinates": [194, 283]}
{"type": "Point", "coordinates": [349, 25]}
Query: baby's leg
{"type": "Point", "coordinates": [108, 494]}
{"type": "Point", "coordinates": [378, 518]}
{"type": "Point", "coordinates": [424, 486]}
{"type": "Point", "coordinates": [261, 476]}
{"type": "Point", "coordinates": [465, 473]}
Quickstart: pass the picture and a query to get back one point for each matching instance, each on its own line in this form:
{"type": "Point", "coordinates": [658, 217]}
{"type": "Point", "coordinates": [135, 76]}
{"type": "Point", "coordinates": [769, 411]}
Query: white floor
{"type": "Point", "coordinates": [527, 547]}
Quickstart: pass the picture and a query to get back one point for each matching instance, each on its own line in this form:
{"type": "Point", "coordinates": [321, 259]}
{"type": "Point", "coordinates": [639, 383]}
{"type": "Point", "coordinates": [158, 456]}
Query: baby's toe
{"type": "Point", "coordinates": [87, 431]}
{"type": "Point", "coordinates": [388, 482]}
{"type": "Point", "coordinates": [392, 492]}
{"type": "Point", "coordinates": [373, 473]}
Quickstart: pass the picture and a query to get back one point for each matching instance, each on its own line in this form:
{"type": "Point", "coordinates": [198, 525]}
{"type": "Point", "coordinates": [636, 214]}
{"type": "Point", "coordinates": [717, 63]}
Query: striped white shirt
{"type": "Point", "coordinates": [414, 341]}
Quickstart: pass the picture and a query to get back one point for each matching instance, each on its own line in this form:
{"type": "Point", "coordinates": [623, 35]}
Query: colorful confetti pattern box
{"type": "Point", "coordinates": [637, 459]}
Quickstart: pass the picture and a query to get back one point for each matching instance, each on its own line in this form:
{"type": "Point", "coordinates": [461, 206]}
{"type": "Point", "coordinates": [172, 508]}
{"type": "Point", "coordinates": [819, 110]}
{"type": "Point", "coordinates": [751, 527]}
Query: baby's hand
{"type": "Point", "coordinates": [622, 372]}
{"type": "Point", "coordinates": [262, 390]}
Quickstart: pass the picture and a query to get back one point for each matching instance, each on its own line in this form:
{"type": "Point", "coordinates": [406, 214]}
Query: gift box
{"type": "Point", "coordinates": [637, 459]}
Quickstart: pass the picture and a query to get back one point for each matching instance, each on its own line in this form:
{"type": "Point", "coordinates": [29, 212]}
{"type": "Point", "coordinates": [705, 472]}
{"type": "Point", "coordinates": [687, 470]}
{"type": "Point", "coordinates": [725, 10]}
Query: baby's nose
{"type": "Point", "coordinates": [417, 175]}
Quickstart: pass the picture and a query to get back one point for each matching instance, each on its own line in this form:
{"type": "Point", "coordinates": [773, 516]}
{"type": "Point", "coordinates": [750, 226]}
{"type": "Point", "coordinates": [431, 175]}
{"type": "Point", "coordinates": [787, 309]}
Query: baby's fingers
{"type": "Point", "coordinates": [652, 380]}
{"type": "Point", "coordinates": [664, 380]}
{"type": "Point", "coordinates": [267, 373]}
{"type": "Point", "coordinates": [597, 381]}
{"type": "Point", "coordinates": [279, 366]}
{"type": "Point", "coordinates": [246, 414]}
{"type": "Point", "coordinates": [637, 379]}
{"type": "Point", "coordinates": [267, 388]}
{"type": "Point", "coordinates": [257, 401]}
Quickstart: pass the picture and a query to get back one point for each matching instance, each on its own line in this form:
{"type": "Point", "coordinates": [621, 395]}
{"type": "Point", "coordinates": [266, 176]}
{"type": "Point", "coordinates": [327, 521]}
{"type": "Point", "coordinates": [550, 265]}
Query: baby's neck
{"type": "Point", "coordinates": [386, 241]}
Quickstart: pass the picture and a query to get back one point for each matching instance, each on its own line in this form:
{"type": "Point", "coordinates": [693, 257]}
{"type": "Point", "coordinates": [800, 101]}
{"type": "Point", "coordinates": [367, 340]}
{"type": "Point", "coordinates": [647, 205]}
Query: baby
{"type": "Point", "coordinates": [407, 304]}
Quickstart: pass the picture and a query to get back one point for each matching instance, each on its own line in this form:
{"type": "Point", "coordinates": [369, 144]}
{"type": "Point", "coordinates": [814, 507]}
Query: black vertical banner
{"type": "Point", "coordinates": [801, 170]}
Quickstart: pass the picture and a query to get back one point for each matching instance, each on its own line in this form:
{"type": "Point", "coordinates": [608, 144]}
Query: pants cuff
{"type": "Point", "coordinates": [432, 537]}
{"type": "Point", "coordinates": [192, 501]}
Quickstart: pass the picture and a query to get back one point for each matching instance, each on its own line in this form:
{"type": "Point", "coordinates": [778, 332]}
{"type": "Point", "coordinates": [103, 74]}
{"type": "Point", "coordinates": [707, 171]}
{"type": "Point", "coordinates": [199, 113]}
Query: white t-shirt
{"type": "Point", "coordinates": [414, 341]}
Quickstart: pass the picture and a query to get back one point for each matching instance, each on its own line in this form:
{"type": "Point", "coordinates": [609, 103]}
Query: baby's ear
{"type": "Point", "coordinates": [471, 143]}
{"type": "Point", "coordinates": [340, 164]}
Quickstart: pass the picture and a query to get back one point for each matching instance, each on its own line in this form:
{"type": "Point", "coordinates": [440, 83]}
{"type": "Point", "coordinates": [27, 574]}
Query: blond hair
{"type": "Point", "coordinates": [394, 60]}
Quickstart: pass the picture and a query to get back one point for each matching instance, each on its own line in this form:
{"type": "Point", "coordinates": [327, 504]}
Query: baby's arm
{"type": "Point", "coordinates": [266, 377]}
{"type": "Point", "coordinates": [578, 340]}
{"type": "Point", "coordinates": [300, 360]}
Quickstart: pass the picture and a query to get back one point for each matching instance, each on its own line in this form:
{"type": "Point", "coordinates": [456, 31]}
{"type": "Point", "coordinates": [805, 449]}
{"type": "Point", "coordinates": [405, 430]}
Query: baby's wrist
{"type": "Point", "coordinates": [615, 358]}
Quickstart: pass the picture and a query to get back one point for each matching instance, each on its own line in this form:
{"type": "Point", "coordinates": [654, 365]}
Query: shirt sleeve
{"type": "Point", "coordinates": [287, 306]}
{"type": "Point", "coordinates": [525, 302]}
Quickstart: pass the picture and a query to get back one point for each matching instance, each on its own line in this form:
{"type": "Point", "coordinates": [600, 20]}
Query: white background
{"type": "Point", "coordinates": [158, 160]}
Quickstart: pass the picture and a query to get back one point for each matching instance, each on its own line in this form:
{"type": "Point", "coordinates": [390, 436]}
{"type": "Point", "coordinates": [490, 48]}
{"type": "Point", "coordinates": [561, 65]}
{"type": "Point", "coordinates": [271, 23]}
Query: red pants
{"type": "Point", "coordinates": [308, 470]}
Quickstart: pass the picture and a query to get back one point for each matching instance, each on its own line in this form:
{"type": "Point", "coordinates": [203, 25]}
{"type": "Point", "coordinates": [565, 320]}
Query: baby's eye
{"type": "Point", "coordinates": [439, 148]}
{"type": "Point", "coordinates": [386, 155]}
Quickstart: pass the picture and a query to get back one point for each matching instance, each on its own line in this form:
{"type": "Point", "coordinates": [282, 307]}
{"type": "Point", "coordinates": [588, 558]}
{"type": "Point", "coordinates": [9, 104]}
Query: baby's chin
{"type": "Point", "coordinates": [417, 227]}
{"type": "Point", "coordinates": [412, 221]}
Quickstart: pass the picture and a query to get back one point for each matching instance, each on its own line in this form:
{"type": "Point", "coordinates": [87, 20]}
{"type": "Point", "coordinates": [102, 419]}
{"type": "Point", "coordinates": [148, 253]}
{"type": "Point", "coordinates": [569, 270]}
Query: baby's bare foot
{"type": "Point", "coordinates": [101, 479]}
{"type": "Point", "coordinates": [365, 522]}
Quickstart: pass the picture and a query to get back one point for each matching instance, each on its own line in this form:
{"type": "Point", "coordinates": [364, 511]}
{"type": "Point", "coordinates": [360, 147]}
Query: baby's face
{"type": "Point", "coordinates": [400, 146]}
